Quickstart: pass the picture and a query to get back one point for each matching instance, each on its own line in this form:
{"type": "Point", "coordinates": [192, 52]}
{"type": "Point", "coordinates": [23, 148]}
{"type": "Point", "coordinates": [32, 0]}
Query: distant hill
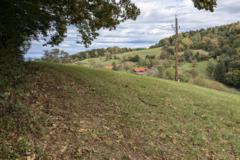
{"type": "Point", "coordinates": [216, 50]}
{"type": "Point", "coordinates": [94, 53]}
{"type": "Point", "coordinates": [223, 45]}
{"type": "Point", "coordinates": [208, 39]}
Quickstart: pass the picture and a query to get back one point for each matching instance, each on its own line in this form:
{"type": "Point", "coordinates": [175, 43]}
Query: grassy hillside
{"type": "Point", "coordinates": [201, 67]}
{"type": "Point", "coordinates": [220, 43]}
{"type": "Point", "coordinates": [118, 57]}
{"type": "Point", "coordinates": [200, 77]}
{"type": "Point", "coordinates": [88, 113]}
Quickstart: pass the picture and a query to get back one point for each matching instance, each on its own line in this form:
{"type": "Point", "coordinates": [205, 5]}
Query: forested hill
{"type": "Point", "coordinates": [210, 39]}
{"type": "Point", "coordinates": [217, 47]}
{"type": "Point", "coordinates": [102, 52]}
{"type": "Point", "coordinates": [223, 45]}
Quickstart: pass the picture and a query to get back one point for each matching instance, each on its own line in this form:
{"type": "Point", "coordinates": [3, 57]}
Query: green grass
{"type": "Point", "coordinates": [202, 78]}
{"type": "Point", "coordinates": [168, 119]}
{"type": "Point", "coordinates": [201, 67]}
{"type": "Point", "coordinates": [99, 114]}
{"type": "Point", "coordinates": [186, 68]}
{"type": "Point", "coordinates": [102, 60]}
{"type": "Point", "coordinates": [143, 53]}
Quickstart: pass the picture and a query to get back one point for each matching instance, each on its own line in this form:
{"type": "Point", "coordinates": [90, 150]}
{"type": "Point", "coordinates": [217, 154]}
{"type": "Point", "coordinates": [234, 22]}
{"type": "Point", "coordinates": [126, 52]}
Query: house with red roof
{"type": "Point", "coordinates": [139, 70]}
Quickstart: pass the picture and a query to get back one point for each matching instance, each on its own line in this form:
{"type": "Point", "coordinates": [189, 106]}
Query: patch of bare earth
{"type": "Point", "coordinates": [79, 123]}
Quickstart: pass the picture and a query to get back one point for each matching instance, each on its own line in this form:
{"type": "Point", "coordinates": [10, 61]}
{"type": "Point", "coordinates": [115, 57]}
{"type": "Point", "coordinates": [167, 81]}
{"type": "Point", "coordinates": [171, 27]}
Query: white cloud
{"type": "Point", "coordinates": [154, 23]}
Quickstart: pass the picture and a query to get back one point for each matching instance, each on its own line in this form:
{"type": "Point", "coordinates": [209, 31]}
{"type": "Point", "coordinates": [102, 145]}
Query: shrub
{"type": "Point", "coordinates": [211, 65]}
{"type": "Point", "coordinates": [170, 73]}
{"type": "Point", "coordinates": [115, 67]}
{"type": "Point", "coordinates": [135, 58]}
{"type": "Point", "coordinates": [193, 73]}
{"type": "Point", "coordinates": [184, 77]}
{"type": "Point", "coordinates": [115, 57]}
{"type": "Point", "coordinates": [154, 72]}
{"type": "Point", "coordinates": [220, 71]}
{"type": "Point", "coordinates": [194, 63]}
{"type": "Point", "coordinates": [96, 64]}
{"type": "Point", "coordinates": [108, 57]}
{"type": "Point", "coordinates": [200, 81]}
{"type": "Point", "coordinates": [188, 55]}
{"type": "Point", "coordinates": [142, 62]}
{"type": "Point", "coordinates": [127, 65]}
{"type": "Point", "coordinates": [167, 63]}
{"type": "Point", "coordinates": [167, 53]}
{"type": "Point", "coordinates": [233, 78]}
{"type": "Point", "coordinates": [161, 71]}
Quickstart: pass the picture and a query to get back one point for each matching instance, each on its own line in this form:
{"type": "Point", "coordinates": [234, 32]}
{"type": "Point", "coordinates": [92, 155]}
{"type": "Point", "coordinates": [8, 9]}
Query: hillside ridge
{"type": "Point", "coordinates": [76, 114]}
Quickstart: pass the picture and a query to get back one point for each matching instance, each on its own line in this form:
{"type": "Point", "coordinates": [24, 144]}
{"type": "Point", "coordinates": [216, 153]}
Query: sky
{"type": "Point", "coordinates": [155, 22]}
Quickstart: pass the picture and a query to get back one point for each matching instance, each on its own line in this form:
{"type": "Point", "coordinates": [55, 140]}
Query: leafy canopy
{"type": "Point", "coordinates": [24, 20]}
{"type": "Point", "coordinates": [205, 4]}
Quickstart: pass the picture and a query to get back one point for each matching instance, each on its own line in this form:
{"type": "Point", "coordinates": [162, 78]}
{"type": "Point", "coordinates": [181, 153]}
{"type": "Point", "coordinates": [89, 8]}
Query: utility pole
{"type": "Point", "coordinates": [177, 50]}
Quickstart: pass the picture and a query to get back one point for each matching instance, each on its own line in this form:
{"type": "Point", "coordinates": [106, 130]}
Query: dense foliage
{"type": "Point", "coordinates": [223, 45]}
{"type": "Point", "coordinates": [109, 52]}
{"type": "Point", "coordinates": [23, 21]}
{"type": "Point", "coordinates": [56, 56]}
{"type": "Point", "coordinates": [60, 56]}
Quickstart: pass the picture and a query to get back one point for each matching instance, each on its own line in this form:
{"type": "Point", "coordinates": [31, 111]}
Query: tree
{"type": "Point", "coordinates": [188, 55]}
{"type": "Point", "coordinates": [135, 58]}
{"type": "Point", "coordinates": [64, 56]}
{"type": "Point", "coordinates": [233, 78]}
{"type": "Point", "coordinates": [220, 71]}
{"type": "Point", "coordinates": [211, 65]}
{"type": "Point", "coordinates": [114, 66]}
{"type": "Point", "coordinates": [22, 21]}
{"type": "Point", "coordinates": [187, 42]}
{"type": "Point", "coordinates": [149, 60]}
{"type": "Point", "coordinates": [56, 56]}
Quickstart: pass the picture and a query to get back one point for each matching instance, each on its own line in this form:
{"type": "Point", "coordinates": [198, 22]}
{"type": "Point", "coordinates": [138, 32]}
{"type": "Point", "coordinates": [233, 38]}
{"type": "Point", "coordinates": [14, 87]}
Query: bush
{"type": "Point", "coordinates": [166, 71]}
{"type": "Point", "coordinates": [188, 55]}
{"type": "Point", "coordinates": [167, 53]}
{"type": "Point", "coordinates": [194, 63]}
{"type": "Point", "coordinates": [184, 77]}
{"type": "Point", "coordinates": [115, 67]}
{"type": "Point", "coordinates": [142, 62]}
{"type": "Point", "coordinates": [135, 58]}
{"type": "Point", "coordinates": [200, 81]}
{"type": "Point", "coordinates": [170, 73]}
{"type": "Point", "coordinates": [108, 57]}
{"type": "Point", "coordinates": [127, 66]}
{"type": "Point", "coordinates": [116, 57]}
{"type": "Point", "coordinates": [233, 78]}
{"type": "Point", "coordinates": [193, 73]}
{"type": "Point", "coordinates": [168, 64]}
{"type": "Point", "coordinates": [11, 71]}
{"type": "Point", "coordinates": [161, 71]}
{"type": "Point", "coordinates": [211, 65]}
{"type": "Point", "coordinates": [154, 72]}
{"type": "Point", "coordinates": [219, 72]}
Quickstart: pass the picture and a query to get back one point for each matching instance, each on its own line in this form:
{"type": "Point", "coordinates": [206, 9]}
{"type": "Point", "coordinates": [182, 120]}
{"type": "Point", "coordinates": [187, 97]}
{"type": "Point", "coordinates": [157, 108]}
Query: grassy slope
{"type": "Point", "coordinates": [141, 53]}
{"type": "Point", "coordinates": [201, 67]}
{"type": "Point", "coordinates": [99, 114]}
{"type": "Point", "coordinates": [166, 119]}
{"type": "Point", "coordinates": [203, 78]}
